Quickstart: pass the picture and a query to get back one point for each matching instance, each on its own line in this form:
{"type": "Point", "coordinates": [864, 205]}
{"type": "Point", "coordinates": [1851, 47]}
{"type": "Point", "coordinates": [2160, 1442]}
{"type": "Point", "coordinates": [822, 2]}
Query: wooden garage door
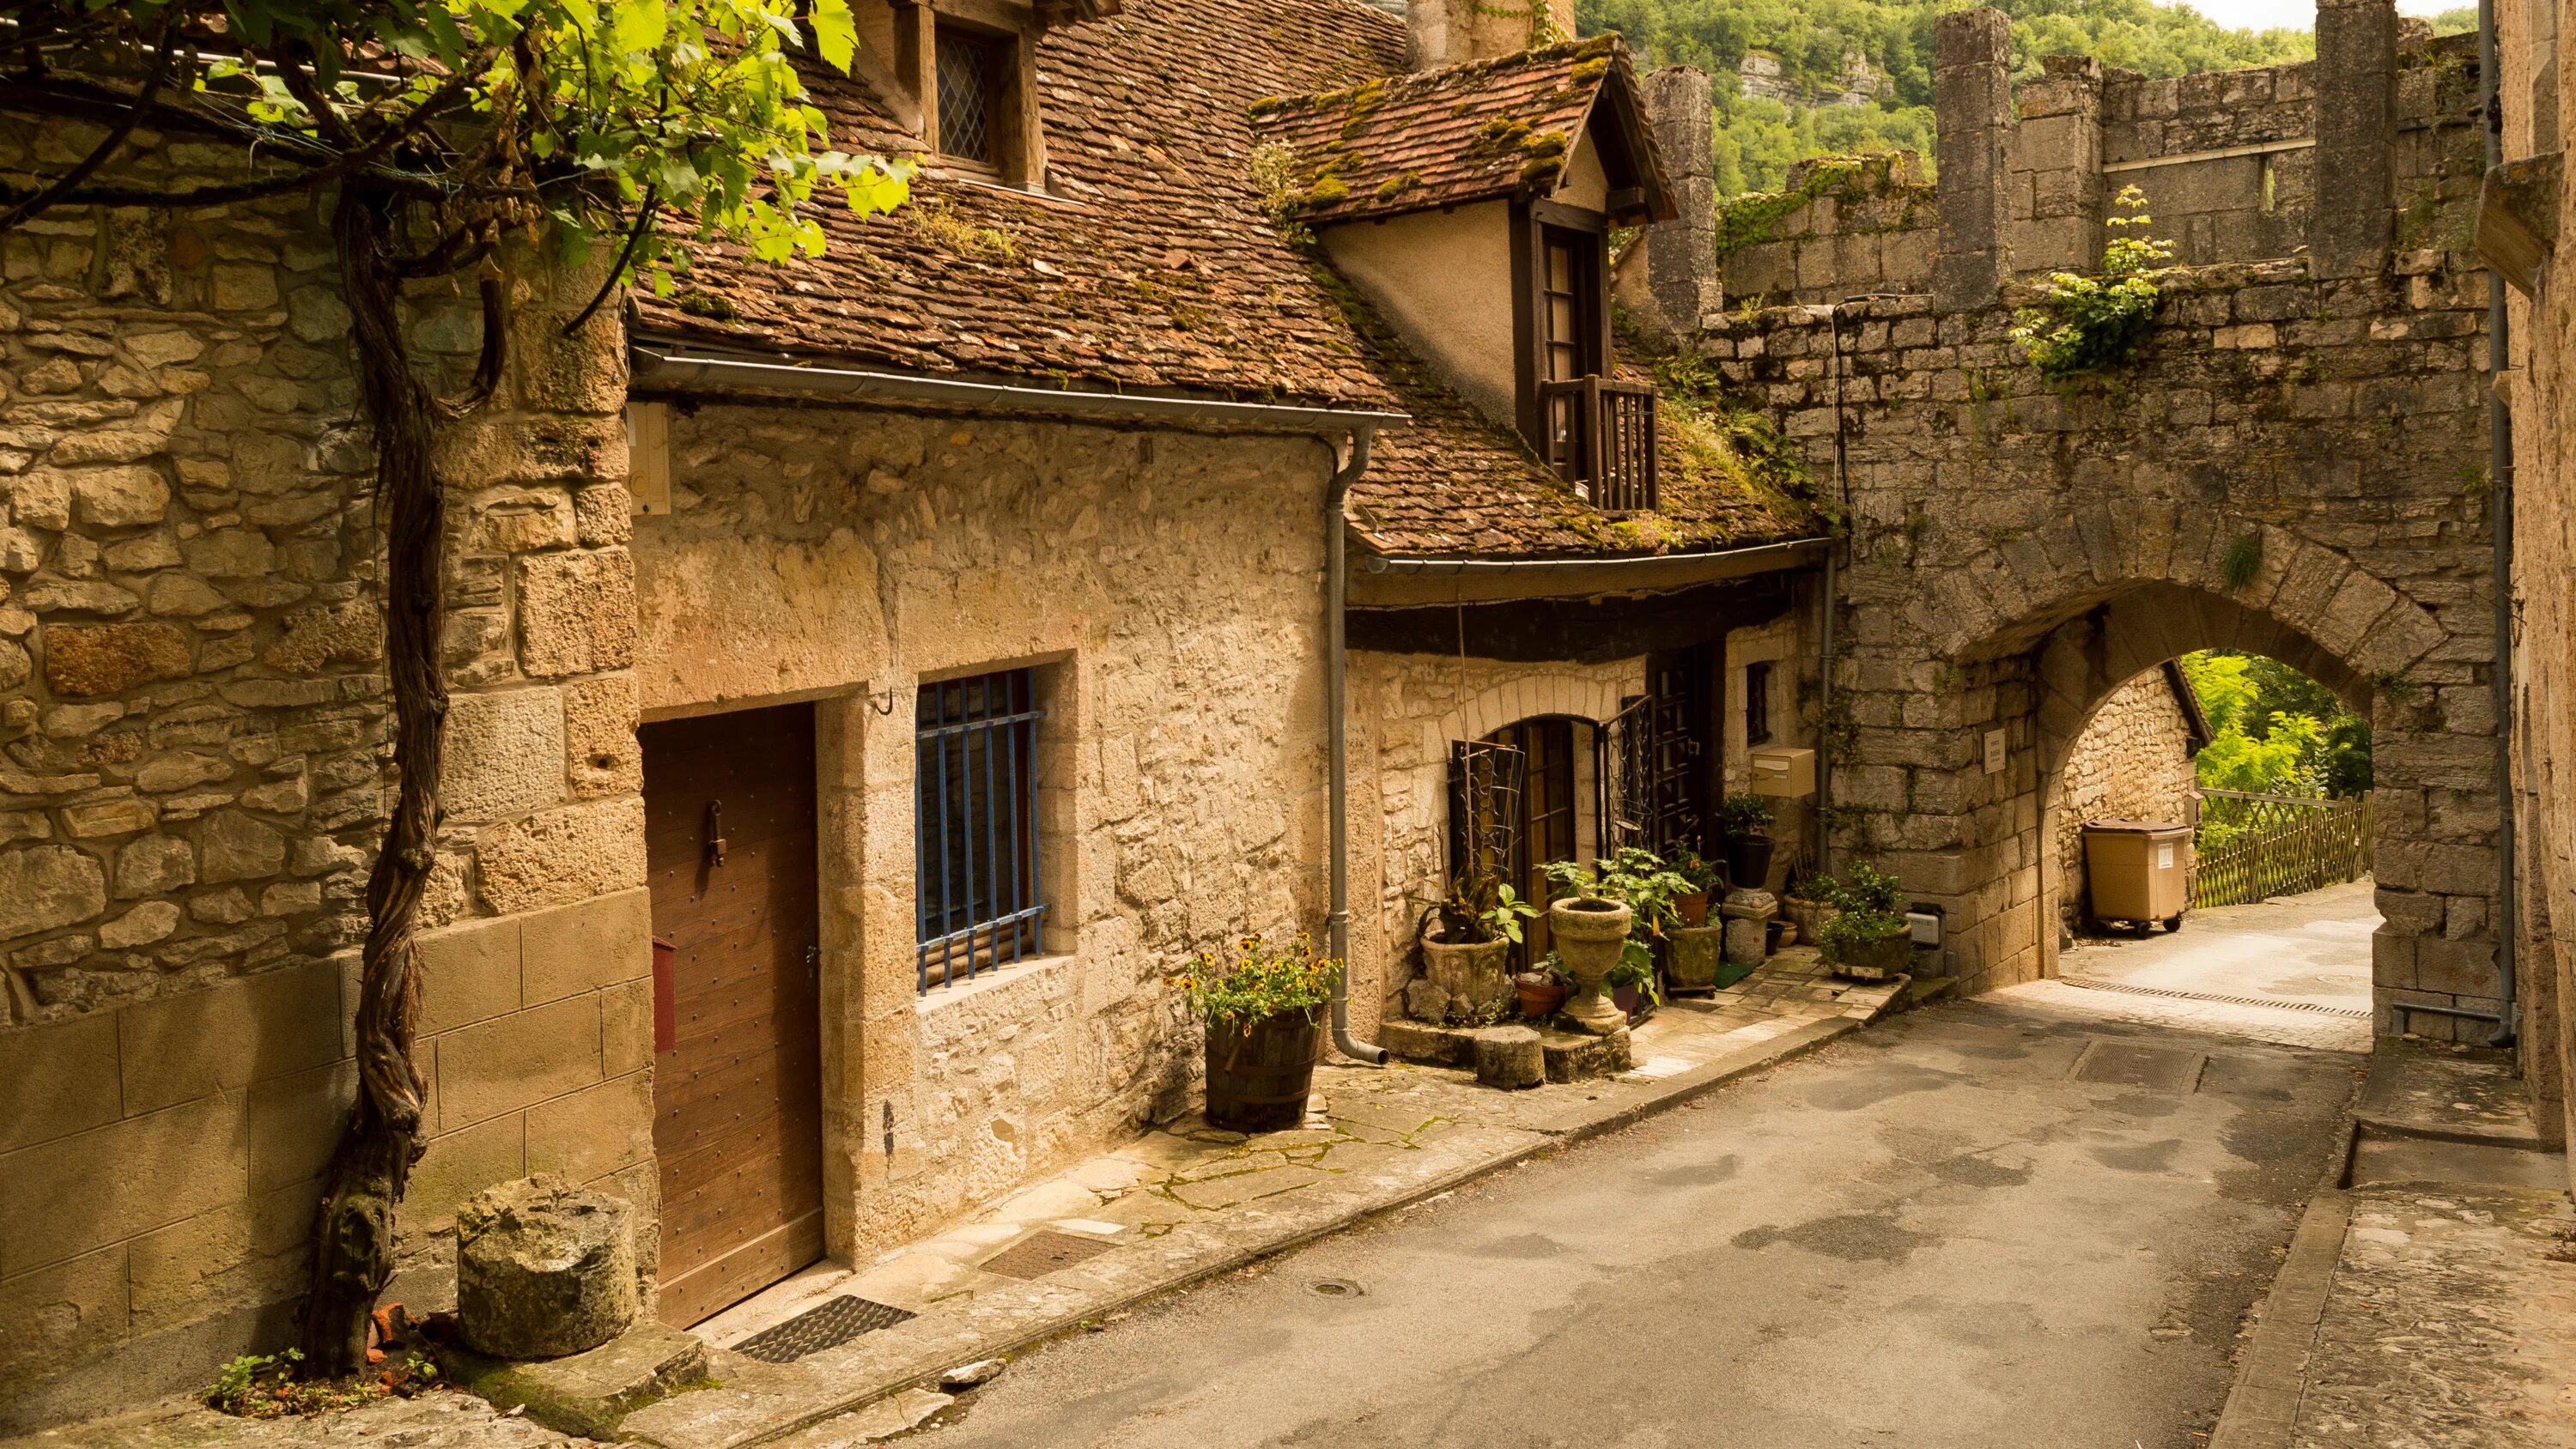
{"type": "Point", "coordinates": [738, 1066]}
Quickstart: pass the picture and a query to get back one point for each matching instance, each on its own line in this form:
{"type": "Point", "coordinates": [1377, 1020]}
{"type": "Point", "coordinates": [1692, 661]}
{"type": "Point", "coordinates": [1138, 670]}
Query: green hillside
{"type": "Point", "coordinates": [1757, 136]}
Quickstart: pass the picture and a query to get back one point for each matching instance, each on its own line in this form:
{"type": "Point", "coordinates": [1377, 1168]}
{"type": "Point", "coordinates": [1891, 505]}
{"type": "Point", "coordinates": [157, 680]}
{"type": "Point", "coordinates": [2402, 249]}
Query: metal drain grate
{"type": "Point", "coordinates": [2320, 1008]}
{"type": "Point", "coordinates": [1042, 1253]}
{"type": "Point", "coordinates": [2161, 1069]}
{"type": "Point", "coordinates": [836, 1322]}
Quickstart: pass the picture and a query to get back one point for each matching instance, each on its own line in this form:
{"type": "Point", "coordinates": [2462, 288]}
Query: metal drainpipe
{"type": "Point", "coordinates": [1337, 748]}
{"type": "Point", "coordinates": [2500, 504]}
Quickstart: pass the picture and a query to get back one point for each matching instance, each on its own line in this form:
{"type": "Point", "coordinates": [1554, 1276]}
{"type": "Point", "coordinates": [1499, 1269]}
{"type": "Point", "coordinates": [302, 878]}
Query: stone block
{"type": "Point", "coordinates": [295, 1123]}
{"type": "Point", "coordinates": [626, 1028]}
{"type": "Point", "coordinates": [576, 612]}
{"type": "Point", "coordinates": [590, 1394]}
{"type": "Point", "coordinates": [586, 945]}
{"type": "Point", "coordinates": [233, 846]}
{"type": "Point", "coordinates": [544, 1269]}
{"type": "Point", "coordinates": [562, 855]}
{"type": "Point", "coordinates": [179, 1048]}
{"type": "Point", "coordinates": [1509, 1057]}
{"type": "Point", "coordinates": [468, 972]}
{"type": "Point", "coordinates": [503, 1064]}
{"type": "Point", "coordinates": [593, 1132]}
{"type": "Point", "coordinates": [45, 886]}
{"type": "Point", "coordinates": [230, 553]}
{"type": "Point", "coordinates": [58, 1079]}
{"type": "Point", "coordinates": [153, 865]}
{"type": "Point", "coordinates": [346, 633]}
{"type": "Point", "coordinates": [505, 754]}
{"type": "Point", "coordinates": [120, 497]}
{"type": "Point", "coordinates": [149, 922]}
{"type": "Point", "coordinates": [109, 658]}
{"type": "Point", "coordinates": [60, 1313]}
{"type": "Point", "coordinates": [125, 1178]}
{"type": "Point", "coordinates": [601, 752]}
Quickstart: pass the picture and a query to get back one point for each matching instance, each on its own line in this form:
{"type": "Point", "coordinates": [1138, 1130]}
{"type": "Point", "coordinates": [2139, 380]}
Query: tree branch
{"type": "Point", "coordinates": [625, 254]}
{"type": "Point", "coordinates": [81, 171]}
{"type": "Point", "coordinates": [496, 339]}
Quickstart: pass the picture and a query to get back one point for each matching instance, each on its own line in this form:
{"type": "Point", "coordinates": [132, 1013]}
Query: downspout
{"type": "Point", "coordinates": [2500, 505]}
{"type": "Point", "coordinates": [1337, 747]}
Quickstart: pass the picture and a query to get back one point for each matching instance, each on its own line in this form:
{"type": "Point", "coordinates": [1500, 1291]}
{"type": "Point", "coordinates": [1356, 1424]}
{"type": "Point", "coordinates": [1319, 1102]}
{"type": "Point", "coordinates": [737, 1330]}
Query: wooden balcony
{"type": "Point", "coordinates": [1601, 438]}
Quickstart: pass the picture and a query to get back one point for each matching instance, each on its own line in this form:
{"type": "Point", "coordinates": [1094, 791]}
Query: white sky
{"type": "Point", "coordinates": [2300, 14]}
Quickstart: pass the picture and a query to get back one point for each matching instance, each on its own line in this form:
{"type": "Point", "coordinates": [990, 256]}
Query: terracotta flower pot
{"type": "Point", "coordinates": [1540, 995]}
{"type": "Point", "coordinates": [1589, 933]}
{"type": "Point", "coordinates": [1693, 907]}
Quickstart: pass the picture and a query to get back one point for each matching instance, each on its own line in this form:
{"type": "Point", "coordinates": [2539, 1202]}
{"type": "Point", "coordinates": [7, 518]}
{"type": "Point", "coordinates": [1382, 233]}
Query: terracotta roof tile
{"type": "Point", "coordinates": [1470, 132]}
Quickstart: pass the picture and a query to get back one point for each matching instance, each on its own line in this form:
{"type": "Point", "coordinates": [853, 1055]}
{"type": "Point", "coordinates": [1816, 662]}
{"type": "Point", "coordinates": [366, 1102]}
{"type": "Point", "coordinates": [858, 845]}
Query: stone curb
{"type": "Point", "coordinates": [2272, 1374]}
{"type": "Point", "coordinates": [1573, 1127]}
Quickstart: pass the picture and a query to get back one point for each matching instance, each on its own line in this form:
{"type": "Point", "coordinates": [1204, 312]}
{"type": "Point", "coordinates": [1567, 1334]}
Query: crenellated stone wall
{"type": "Point", "coordinates": [194, 776]}
{"type": "Point", "coordinates": [2227, 161]}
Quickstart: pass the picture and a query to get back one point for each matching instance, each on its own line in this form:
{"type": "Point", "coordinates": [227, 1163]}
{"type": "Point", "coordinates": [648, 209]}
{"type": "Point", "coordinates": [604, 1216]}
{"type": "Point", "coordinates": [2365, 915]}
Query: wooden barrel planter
{"type": "Point", "coordinates": [1260, 1073]}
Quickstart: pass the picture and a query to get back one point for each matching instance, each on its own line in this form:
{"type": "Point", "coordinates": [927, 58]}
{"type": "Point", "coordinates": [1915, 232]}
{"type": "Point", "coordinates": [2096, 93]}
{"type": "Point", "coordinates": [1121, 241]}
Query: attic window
{"type": "Point", "coordinates": [969, 93]}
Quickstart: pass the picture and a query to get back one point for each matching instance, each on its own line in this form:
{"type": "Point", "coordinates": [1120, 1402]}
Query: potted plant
{"type": "Point", "coordinates": [1263, 1006]}
{"type": "Point", "coordinates": [1745, 820]}
{"type": "Point", "coordinates": [1467, 965]}
{"type": "Point", "coordinates": [1869, 936]}
{"type": "Point", "coordinates": [1705, 881]}
{"type": "Point", "coordinates": [1640, 880]}
{"type": "Point", "coordinates": [1591, 934]}
{"type": "Point", "coordinates": [1542, 988]}
{"type": "Point", "coordinates": [1807, 902]}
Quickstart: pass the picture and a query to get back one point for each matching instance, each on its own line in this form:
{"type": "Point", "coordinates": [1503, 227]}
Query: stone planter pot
{"type": "Point", "coordinates": [1588, 933]}
{"type": "Point", "coordinates": [1808, 916]}
{"type": "Point", "coordinates": [1875, 959]}
{"type": "Point", "coordinates": [1748, 861]}
{"type": "Point", "coordinates": [1697, 955]}
{"type": "Point", "coordinates": [1540, 995]}
{"type": "Point", "coordinates": [1259, 1073]}
{"type": "Point", "coordinates": [1465, 982]}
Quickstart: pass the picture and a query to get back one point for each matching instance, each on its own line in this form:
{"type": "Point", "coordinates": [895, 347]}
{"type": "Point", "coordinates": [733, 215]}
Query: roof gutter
{"type": "Point", "coordinates": [657, 370]}
{"type": "Point", "coordinates": [1402, 582]}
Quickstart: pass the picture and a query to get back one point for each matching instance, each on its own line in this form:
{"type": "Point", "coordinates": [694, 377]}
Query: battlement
{"type": "Point", "coordinates": [2228, 162]}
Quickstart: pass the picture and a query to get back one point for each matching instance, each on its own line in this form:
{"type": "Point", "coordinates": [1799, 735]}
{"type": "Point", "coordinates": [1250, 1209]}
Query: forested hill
{"type": "Point", "coordinates": [1804, 61]}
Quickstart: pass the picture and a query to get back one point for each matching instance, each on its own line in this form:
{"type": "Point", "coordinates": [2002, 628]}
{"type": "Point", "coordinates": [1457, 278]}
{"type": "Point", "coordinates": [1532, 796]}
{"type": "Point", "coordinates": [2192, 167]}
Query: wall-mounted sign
{"type": "Point", "coordinates": [1995, 758]}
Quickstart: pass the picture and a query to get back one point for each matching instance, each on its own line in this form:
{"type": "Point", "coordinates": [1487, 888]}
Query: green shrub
{"type": "Point", "coordinates": [2094, 324]}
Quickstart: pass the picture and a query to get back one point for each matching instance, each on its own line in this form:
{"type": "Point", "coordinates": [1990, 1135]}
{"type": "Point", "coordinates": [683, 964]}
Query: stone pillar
{"type": "Point", "coordinates": [2058, 189]}
{"type": "Point", "coordinates": [1681, 254]}
{"type": "Point", "coordinates": [1972, 107]}
{"type": "Point", "coordinates": [1453, 32]}
{"type": "Point", "coordinates": [2356, 81]}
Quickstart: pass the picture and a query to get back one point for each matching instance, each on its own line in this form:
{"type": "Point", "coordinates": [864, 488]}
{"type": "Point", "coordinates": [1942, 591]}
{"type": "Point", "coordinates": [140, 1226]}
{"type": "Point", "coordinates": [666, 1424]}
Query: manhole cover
{"type": "Point", "coordinates": [1338, 1288]}
{"type": "Point", "coordinates": [2161, 1069]}
{"type": "Point", "coordinates": [1039, 1254]}
{"type": "Point", "coordinates": [836, 1322]}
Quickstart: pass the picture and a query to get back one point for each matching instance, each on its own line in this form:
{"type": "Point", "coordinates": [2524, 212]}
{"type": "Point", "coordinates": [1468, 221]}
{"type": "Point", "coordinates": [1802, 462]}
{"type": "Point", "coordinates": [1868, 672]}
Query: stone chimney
{"type": "Point", "coordinates": [1680, 256]}
{"type": "Point", "coordinates": [1453, 32]}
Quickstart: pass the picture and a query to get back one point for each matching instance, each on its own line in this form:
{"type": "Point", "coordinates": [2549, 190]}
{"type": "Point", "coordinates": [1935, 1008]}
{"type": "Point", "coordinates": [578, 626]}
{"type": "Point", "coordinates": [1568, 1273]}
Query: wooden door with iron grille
{"type": "Point", "coordinates": [729, 823]}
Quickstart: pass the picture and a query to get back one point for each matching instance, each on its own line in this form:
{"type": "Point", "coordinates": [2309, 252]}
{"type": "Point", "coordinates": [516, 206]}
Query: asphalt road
{"type": "Point", "coordinates": [1931, 1234]}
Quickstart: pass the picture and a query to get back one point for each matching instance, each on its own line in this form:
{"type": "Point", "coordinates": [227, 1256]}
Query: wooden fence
{"type": "Point", "coordinates": [2250, 847]}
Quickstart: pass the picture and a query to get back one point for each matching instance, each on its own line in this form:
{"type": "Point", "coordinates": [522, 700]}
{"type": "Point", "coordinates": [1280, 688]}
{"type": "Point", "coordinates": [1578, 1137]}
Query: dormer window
{"type": "Point", "coordinates": [1596, 431]}
{"type": "Point", "coordinates": [970, 74]}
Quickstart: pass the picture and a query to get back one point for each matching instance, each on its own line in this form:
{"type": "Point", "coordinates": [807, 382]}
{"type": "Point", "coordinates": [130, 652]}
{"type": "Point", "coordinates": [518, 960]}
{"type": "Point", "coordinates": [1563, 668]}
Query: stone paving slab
{"type": "Point", "coordinates": [440, 1419]}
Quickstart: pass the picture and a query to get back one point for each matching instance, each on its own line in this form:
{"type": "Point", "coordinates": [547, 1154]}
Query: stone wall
{"type": "Point", "coordinates": [2132, 762]}
{"type": "Point", "coordinates": [1168, 589]}
{"type": "Point", "coordinates": [2226, 159]}
{"type": "Point", "coordinates": [2020, 550]}
{"type": "Point", "coordinates": [193, 777]}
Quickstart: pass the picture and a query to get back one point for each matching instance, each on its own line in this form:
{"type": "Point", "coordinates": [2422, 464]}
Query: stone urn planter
{"type": "Point", "coordinates": [1697, 957]}
{"type": "Point", "coordinates": [1259, 1073]}
{"type": "Point", "coordinates": [1808, 916]}
{"type": "Point", "coordinates": [1589, 933]}
{"type": "Point", "coordinates": [1461, 982]}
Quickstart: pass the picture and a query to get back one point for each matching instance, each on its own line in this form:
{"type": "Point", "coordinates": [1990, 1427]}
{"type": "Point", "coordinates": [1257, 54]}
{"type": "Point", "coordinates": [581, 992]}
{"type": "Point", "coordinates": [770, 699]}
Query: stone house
{"type": "Point", "coordinates": [867, 680]}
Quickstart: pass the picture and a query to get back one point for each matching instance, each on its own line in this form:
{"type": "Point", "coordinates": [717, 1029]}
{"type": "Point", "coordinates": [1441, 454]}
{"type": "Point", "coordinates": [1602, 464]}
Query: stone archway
{"type": "Point", "coordinates": [2029, 638]}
